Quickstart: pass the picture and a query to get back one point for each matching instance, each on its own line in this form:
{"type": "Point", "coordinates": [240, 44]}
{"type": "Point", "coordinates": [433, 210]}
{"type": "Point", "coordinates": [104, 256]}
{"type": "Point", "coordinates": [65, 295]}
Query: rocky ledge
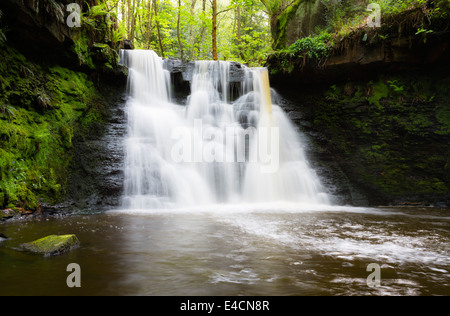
{"type": "Point", "coordinates": [400, 44]}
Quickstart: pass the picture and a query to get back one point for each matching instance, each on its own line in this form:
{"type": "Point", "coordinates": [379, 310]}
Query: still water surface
{"type": "Point", "coordinates": [235, 250]}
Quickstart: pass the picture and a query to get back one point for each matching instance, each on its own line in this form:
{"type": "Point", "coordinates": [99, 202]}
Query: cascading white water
{"type": "Point", "coordinates": [212, 150]}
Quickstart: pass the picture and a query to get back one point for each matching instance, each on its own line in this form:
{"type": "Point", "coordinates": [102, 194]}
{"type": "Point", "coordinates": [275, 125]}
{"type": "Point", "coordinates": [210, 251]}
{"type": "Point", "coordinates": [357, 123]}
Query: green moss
{"type": "Point", "coordinates": [279, 31]}
{"type": "Point", "coordinates": [443, 117]}
{"type": "Point", "coordinates": [81, 49]}
{"type": "Point", "coordinates": [379, 90]}
{"type": "Point", "coordinates": [392, 132]}
{"type": "Point", "coordinates": [52, 245]}
{"type": "Point", "coordinates": [50, 104]}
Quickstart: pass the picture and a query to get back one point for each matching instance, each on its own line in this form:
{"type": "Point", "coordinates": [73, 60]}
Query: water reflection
{"type": "Point", "coordinates": [232, 251]}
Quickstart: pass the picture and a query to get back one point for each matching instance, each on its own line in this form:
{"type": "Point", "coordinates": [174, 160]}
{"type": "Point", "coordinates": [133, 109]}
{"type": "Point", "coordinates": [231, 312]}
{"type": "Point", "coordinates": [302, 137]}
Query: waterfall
{"type": "Point", "coordinates": [211, 150]}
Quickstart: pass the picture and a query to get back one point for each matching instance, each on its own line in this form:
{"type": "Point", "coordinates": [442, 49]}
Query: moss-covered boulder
{"type": "Point", "coordinates": [52, 245]}
{"type": "Point", "coordinates": [7, 214]}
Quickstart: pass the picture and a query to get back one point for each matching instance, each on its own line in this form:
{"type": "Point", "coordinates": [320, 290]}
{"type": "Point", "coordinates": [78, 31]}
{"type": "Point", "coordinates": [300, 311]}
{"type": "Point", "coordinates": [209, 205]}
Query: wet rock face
{"type": "Point", "coordinates": [186, 68]}
{"type": "Point", "coordinates": [181, 76]}
{"type": "Point", "coordinates": [97, 164]}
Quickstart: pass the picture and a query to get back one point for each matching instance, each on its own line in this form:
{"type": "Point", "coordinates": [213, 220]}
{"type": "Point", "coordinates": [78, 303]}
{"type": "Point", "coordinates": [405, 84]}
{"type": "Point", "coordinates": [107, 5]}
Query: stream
{"type": "Point", "coordinates": [235, 250]}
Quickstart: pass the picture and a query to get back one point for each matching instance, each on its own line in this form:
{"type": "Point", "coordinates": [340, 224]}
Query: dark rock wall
{"type": "Point", "coordinates": [379, 120]}
{"type": "Point", "coordinates": [96, 180]}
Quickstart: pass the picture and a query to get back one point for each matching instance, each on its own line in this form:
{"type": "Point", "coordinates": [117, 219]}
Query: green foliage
{"type": "Point", "coordinates": [378, 91]}
{"type": "Point", "coordinates": [424, 32]}
{"type": "Point", "coordinates": [243, 37]}
{"type": "Point", "coordinates": [443, 118]}
{"type": "Point", "coordinates": [316, 47]}
{"type": "Point", "coordinates": [7, 110]}
{"type": "Point", "coordinates": [98, 27]}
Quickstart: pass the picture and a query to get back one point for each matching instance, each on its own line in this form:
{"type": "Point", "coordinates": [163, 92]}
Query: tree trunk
{"type": "Point", "coordinates": [155, 6]}
{"type": "Point", "coordinates": [238, 33]}
{"type": "Point", "coordinates": [133, 22]}
{"type": "Point", "coordinates": [123, 9]}
{"type": "Point", "coordinates": [178, 31]}
{"type": "Point", "coordinates": [214, 29]}
{"type": "Point", "coordinates": [202, 33]}
{"type": "Point", "coordinates": [128, 18]}
{"type": "Point", "coordinates": [191, 31]}
{"type": "Point", "coordinates": [149, 23]}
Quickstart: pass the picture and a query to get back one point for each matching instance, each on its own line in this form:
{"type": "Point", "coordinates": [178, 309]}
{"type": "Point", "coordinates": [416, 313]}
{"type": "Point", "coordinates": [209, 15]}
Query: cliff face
{"type": "Point", "coordinates": [379, 141]}
{"type": "Point", "coordinates": [363, 54]}
{"type": "Point", "coordinates": [56, 102]}
{"type": "Point", "coordinates": [40, 26]}
{"type": "Point", "coordinates": [377, 109]}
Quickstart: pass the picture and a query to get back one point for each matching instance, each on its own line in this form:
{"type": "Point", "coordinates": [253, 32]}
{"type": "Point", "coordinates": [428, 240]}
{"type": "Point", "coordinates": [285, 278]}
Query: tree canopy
{"type": "Point", "coordinates": [196, 29]}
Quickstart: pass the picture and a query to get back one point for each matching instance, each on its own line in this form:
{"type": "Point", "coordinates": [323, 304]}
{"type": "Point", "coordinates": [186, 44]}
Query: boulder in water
{"type": "Point", "coordinates": [6, 214]}
{"type": "Point", "coordinates": [52, 245]}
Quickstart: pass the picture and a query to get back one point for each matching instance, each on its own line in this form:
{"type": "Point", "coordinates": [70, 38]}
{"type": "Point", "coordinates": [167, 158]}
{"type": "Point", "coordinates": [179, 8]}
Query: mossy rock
{"type": "Point", "coordinates": [52, 245]}
{"type": "Point", "coordinates": [7, 214]}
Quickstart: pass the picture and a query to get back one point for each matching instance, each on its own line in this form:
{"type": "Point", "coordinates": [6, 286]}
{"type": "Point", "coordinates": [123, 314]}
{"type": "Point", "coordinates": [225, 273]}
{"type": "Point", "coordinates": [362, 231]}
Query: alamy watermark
{"type": "Point", "coordinates": [209, 144]}
{"type": "Point", "coordinates": [374, 279]}
{"type": "Point", "coordinates": [74, 278]}
{"type": "Point", "coordinates": [374, 19]}
{"type": "Point", "coordinates": [74, 18]}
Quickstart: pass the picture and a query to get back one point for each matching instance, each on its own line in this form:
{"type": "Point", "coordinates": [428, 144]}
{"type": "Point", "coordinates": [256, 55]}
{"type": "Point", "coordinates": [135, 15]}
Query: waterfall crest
{"type": "Point", "coordinates": [212, 150]}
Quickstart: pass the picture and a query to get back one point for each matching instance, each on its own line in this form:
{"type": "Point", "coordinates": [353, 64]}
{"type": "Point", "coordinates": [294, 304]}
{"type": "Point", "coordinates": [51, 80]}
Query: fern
{"type": "Point", "coordinates": [313, 46]}
{"type": "Point", "coordinates": [117, 35]}
{"type": "Point", "coordinates": [43, 99]}
{"type": "Point", "coordinates": [98, 10]}
{"type": "Point", "coordinates": [7, 110]}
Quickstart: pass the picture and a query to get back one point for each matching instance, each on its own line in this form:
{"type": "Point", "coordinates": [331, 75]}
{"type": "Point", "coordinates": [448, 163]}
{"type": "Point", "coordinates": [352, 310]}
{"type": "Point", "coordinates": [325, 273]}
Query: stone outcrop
{"type": "Point", "coordinates": [52, 245]}
{"type": "Point", "coordinates": [362, 55]}
{"type": "Point", "coordinates": [377, 113]}
{"type": "Point", "coordinates": [39, 24]}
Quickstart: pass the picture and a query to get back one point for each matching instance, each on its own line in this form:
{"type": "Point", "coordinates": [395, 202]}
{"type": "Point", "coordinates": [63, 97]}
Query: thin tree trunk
{"type": "Point", "coordinates": [133, 22]}
{"type": "Point", "coordinates": [238, 35]}
{"type": "Point", "coordinates": [238, 22]}
{"type": "Point", "coordinates": [178, 30]}
{"type": "Point", "coordinates": [214, 29]}
{"type": "Point", "coordinates": [149, 23]}
{"type": "Point", "coordinates": [128, 18]}
{"type": "Point", "coordinates": [123, 10]}
{"type": "Point", "coordinates": [191, 31]}
{"type": "Point", "coordinates": [155, 6]}
{"type": "Point", "coordinates": [202, 33]}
